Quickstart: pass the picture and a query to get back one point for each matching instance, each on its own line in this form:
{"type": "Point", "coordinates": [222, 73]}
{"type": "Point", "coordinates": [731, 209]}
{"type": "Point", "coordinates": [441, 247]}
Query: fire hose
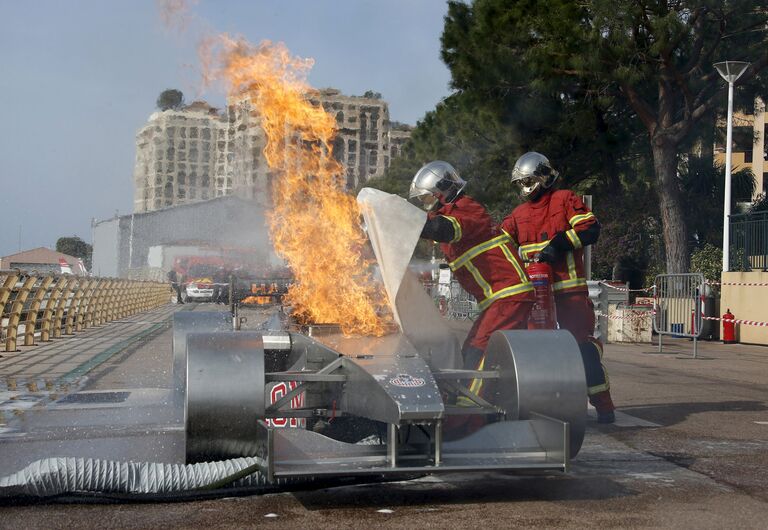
{"type": "Point", "coordinates": [59, 476]}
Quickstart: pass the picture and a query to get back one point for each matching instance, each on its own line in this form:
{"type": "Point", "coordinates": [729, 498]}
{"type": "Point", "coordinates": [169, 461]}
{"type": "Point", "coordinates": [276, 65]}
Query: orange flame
{"type": "Point", "coordinates": [314, 224]}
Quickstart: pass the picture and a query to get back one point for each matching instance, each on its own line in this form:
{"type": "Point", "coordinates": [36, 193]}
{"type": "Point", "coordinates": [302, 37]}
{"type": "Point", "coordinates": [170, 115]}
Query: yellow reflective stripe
{"type": "Point", "coordinates": [576, 219]}
{"type": "Point", "coordinates": [573, 237]}
{"type": "Point", "coordinates": [456, 228]}
{"type": "Point", "coordinates": [480, 280]}
{"type": "Point", "coordinates": [505, 293]}
{"type": "Point", "coordinates": [515, 263]}
{"type": "Point", "coordinates": [532, 248]}
{"type": "Point", "coordinates": [567, 284]}
{"type": "Point", "coordinates": [571, 265]}
{"type": "Point", "coordinates": [477, 250]}
{"type": "Point", "coordinates": [592, 390]}
{"type": "Point", "coordinates": [477, 384]}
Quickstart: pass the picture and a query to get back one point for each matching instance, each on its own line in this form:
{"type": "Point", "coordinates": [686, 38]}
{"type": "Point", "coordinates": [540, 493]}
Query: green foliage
{"type": "Point", "coordinates": [608, 90]}
{"type": "Point", "coordinates": [708, 260]}
{"type": "Point", "coordinates": [703, 187]}
{"type": "Point", "coordinates": [170, 98]}
{"type": "Point", "coordinates": [74, 246]}
{"type": "Point", "coordinates": [760, 204]}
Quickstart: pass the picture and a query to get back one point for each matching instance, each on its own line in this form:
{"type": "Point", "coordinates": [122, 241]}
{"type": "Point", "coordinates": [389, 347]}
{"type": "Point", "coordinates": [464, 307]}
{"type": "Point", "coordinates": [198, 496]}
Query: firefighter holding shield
{"type": "Point", "coordinates": [481, 256]}
{"type": "Point", "coordinates": [554, 226]}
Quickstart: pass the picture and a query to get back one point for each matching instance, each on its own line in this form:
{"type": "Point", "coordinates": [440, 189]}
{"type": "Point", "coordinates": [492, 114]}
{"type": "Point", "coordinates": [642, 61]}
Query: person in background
{"type": "Point", "coordinates": [554, 226]}
{"type": "Point", "coordinates": [175, 280]}
{"type": "Point", "coordinates": [220, 285]}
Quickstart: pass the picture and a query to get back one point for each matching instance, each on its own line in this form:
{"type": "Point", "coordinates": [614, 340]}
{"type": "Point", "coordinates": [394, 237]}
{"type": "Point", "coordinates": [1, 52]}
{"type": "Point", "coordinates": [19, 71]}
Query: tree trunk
{"type": "Point", "coordinates": [672, 220]}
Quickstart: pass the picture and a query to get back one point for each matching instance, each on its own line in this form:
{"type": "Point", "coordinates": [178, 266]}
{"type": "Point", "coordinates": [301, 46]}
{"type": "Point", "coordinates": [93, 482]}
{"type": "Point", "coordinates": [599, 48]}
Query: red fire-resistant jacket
{"type": "Point", "coordinates": [532, 225]}
{"type": "Point", "coordinates": [481, 256]}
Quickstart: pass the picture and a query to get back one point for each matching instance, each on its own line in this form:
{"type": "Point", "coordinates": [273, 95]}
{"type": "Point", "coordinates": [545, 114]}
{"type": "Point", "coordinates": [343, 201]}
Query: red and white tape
{"type": "Point", "coordinates": [639, 315]}
{"type": "Point", "coordinates": [742, 284]}
{"type": "Point", "coordinates": [739, 321]}
{"type": "Point", "coordinates": [625, 290]}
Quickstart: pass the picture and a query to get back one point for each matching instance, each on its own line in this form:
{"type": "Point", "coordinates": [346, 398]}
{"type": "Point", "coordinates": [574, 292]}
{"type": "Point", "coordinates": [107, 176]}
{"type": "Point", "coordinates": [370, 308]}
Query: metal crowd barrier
{"type": "Point", "coordinates": [452, 300]}
{"type": "Point", "coordinates": [678, 312]}
{"type": "Point", "coordinates": [38, 308]}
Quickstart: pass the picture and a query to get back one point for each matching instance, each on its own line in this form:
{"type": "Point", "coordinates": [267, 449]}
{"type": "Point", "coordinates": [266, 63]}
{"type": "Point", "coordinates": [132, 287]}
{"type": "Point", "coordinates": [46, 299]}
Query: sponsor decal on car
{"type": "Point", "coordinates": [407, 381]}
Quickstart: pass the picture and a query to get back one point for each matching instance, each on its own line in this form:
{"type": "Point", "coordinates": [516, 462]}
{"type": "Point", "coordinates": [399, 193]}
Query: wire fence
{"type": "Point", "coordinates": [452, 300]}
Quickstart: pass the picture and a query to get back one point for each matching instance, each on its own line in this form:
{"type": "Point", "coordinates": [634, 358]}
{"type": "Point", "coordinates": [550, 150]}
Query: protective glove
{"type": "Point", "coordinates": [549, 254]}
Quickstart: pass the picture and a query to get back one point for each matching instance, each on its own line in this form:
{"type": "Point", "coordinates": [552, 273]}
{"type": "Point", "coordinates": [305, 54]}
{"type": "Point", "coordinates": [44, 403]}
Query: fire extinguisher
{"type": "Point", "coordinates": [543, 314]}
{"type": "Point", "coordinates": [729, 328]}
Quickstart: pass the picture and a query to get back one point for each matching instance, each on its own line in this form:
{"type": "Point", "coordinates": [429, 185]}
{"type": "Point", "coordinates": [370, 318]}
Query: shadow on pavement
{"type": "Point", "coordinates": [668, 414]}
{"type": "Point", "coordinates": [452, 489]}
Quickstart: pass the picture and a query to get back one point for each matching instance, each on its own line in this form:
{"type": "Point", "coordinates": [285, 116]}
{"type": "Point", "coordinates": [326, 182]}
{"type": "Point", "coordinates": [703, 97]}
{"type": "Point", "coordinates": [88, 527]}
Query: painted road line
{"type": "Point", "coordinates": [623, 419]}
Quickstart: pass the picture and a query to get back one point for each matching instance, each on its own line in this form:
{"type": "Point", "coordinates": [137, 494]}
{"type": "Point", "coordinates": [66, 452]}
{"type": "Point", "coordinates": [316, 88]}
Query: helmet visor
{"type": "Point", "coordinates": [427, 201]}
{"type": "Point", "coordinates": [528, 185]}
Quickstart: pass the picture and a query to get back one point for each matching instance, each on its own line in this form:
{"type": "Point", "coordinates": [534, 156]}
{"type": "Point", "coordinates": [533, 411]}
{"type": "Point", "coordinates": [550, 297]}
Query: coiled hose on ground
{"type": "Point", "coordinates": [60, 476]}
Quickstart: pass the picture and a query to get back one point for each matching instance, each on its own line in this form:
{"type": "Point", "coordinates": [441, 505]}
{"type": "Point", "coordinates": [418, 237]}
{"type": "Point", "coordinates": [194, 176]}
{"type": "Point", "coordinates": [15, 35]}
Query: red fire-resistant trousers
{"type": "Point", "coordinates": [506, 313]}
{"type": "Point", "coordinates": [576, 313]}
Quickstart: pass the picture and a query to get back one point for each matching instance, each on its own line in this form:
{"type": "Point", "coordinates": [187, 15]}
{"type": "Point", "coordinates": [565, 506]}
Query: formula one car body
{"type": "Point", "coordinates": [313, 403]}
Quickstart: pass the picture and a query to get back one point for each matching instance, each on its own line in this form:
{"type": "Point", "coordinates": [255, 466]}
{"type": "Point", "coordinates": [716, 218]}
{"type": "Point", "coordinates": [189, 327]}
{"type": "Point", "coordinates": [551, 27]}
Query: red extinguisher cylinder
{"type": "Point", "coordinates": [543, 314]}
{"type": "Point", "coordinates": [729, 328]}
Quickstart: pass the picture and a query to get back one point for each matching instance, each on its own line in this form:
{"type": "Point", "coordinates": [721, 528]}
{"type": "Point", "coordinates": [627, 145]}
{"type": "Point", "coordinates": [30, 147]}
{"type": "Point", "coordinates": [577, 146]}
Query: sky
{"type": "Point", "coordinates": [78, 78]}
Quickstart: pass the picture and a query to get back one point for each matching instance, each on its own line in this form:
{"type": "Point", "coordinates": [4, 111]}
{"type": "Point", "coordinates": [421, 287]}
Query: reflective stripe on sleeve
{"type": "Point", "coordinates": [573, 237]}
{"type": "Point", "coordinates": [456, 228]}
{"type": "Point", "coordinates": [576, 219]}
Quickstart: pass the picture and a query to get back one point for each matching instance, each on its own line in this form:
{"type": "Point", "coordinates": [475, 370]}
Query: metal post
{"type": "Point", "coordinates": [588, 248]}
{"type": "Point", "coordinates": [438, 442]}
{"type": "Point", "coordinates": [727, 200]}
{"type": "Point", "coordinates": [730, 71]}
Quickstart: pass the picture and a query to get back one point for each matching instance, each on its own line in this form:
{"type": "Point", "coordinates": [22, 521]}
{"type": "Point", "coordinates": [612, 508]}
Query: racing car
{"type": "Point", "coordinates": [269, 393]}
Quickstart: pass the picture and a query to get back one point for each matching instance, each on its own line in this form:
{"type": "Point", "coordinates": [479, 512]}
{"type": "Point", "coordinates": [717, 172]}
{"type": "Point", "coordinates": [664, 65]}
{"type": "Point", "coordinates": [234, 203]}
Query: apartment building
{"type": "Point", "coordinates": [197, 152]}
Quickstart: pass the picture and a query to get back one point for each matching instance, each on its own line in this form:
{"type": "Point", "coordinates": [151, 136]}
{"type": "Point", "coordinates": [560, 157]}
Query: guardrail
{"type": "Point", "coordinates": [38, 308]}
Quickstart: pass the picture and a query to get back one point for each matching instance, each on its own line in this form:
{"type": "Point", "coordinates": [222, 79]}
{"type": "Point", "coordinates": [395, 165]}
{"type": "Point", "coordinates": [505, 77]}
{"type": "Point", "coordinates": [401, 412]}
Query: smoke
{"type": "Point", "coordinates": [176, 15]}
{"type": "Point", "coordinates": [314, 223]}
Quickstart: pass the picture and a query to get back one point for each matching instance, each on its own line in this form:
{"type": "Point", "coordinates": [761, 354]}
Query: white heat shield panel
{"type": "Point", "coordinates": [394, 226]}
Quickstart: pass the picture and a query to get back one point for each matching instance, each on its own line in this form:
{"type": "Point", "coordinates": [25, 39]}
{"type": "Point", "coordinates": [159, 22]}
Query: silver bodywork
{"type": "Point", "coordinates": [534, 402]}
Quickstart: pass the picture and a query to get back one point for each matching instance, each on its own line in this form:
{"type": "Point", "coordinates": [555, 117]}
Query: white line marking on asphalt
{"type": "Point", "coordinates": [271, 515]}
{"type": "Point", "coordinates": [623, 419]}
{"type": "Point", "coordinates": [385, 510]}
{"type": "Point", "coordinates": [761, 422]}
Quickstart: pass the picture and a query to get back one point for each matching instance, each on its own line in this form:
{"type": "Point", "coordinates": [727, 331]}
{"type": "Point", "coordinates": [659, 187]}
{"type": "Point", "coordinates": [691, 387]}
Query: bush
{"type": "Point", "coordinates": [708, 260]}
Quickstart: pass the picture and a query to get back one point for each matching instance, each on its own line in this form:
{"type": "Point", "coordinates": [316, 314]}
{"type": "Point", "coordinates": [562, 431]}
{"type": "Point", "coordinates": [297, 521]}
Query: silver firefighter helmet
{"type": "Point", "coordinates": [534, 173]}
{"type": "Point", "coordinates": [436, 182]}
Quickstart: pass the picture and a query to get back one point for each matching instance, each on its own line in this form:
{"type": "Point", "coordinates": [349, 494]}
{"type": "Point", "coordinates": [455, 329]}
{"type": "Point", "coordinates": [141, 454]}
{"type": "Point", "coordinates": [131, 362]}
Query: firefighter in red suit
{"type": "Point", "coordinates": [556, 226]}
{"type": "Point", "coordinates": [481, 256]}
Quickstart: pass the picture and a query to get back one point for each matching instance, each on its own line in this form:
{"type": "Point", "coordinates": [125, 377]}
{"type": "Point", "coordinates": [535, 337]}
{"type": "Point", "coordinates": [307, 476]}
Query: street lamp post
{"type": "Point", "coordinates": [730, 71]}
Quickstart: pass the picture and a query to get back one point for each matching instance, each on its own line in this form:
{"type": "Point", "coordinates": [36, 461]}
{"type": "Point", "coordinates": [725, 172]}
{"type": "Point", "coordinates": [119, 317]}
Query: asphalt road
{"type": "Point", "coordinates": [689, 450]}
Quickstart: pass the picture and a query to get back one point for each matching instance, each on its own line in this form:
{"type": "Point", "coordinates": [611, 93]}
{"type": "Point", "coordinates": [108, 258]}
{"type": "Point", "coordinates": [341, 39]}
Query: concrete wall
{"type": "Point", "coordinates": [123, 244]}
{"type": "Point", "coordinates": [746, 303]}
{"type": "Point", "coordinates": [105, 241]}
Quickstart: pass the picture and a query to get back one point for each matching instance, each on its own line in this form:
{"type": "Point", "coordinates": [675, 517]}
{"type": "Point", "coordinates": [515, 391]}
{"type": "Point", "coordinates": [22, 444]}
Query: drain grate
{"type": "Point", "coordinates": [95, 397]}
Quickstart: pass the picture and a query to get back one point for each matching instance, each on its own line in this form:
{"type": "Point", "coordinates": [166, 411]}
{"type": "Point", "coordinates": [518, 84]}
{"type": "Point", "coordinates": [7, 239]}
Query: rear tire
{"type": "Point", "coordinates": [225, 395]}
